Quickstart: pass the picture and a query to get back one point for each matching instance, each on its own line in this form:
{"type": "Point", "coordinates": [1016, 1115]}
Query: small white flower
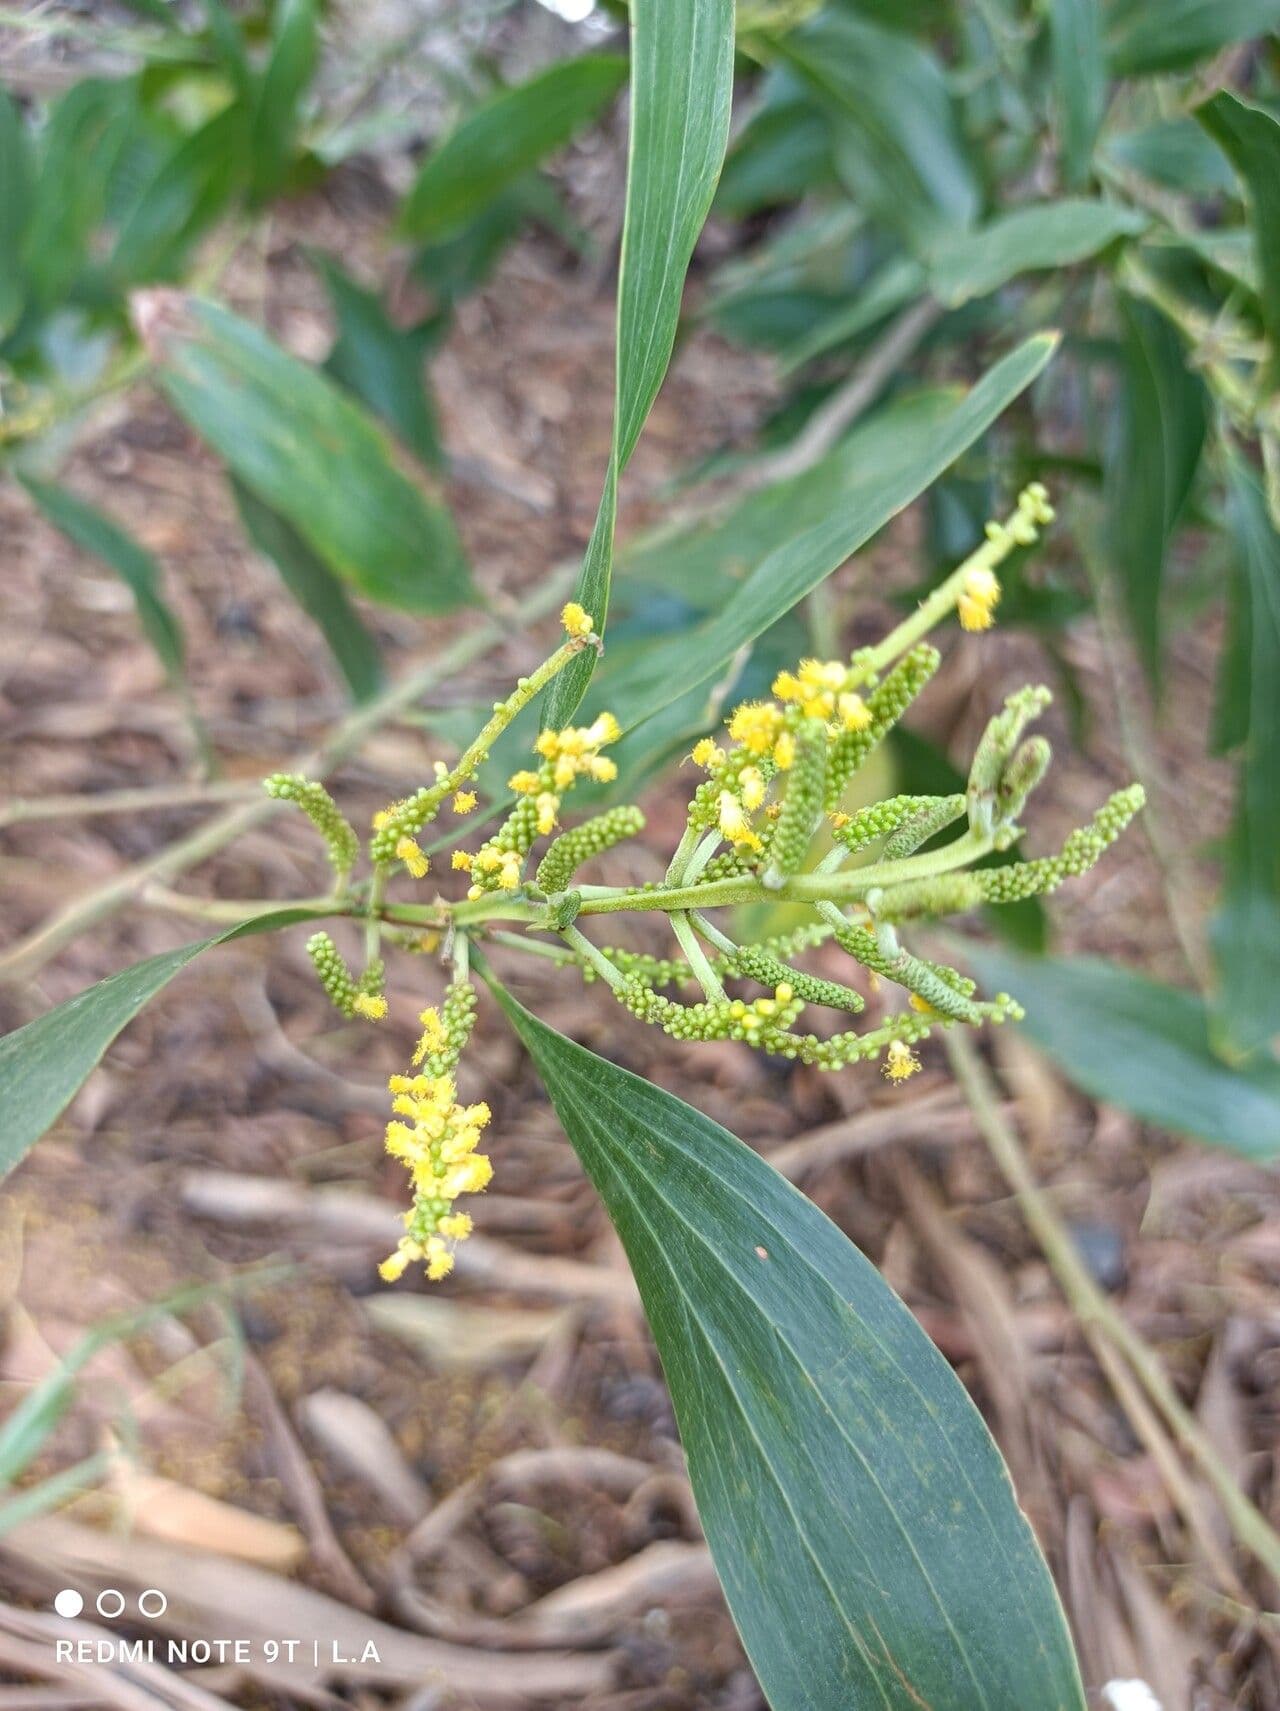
{"type": "Point", "coordinates": [1130, 1696]}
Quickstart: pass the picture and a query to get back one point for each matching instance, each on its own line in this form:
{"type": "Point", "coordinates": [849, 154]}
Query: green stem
{"type": "Point", "coordinates": [687, 939]}
{"type": "Point", "coordinates": [588, 952]}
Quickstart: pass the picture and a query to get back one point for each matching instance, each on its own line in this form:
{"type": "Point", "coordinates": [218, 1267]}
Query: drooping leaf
{"type": "Point", "coordinates": [501, 139]}
{"type": "Point", "coordinates": [1246, 933]}
{"type": "Point", "coordinates": [1160, 426]}
{"type": "Point", "coordinates": [1145, 36]}
{"type": "Point", "coordinates": [381, 362]}
{"type": "Point", "coordinates": [317, 590]}
{"type": "Point", "coordinates": [189, 188]}
{"type": "Point", "coordinates": [681, 88]}
{"type": "Point", "coordinates": [785, 575]}
{"type": "Point", "coordinates": [313, 455]}
{"type": "Point", "coordinates": [781, 154]}
{"type": "Point", "coordinates": [284, 81]}
{"type": "Point", "coordinates": [44, 1064]}
{"type": "Point", "coordinates": [1250, 137]}
{"type": "Point", "coordinates": [1080, 81]}
{"type": "Point", "coordinates": [80, 144]}
{"type": "Point", "coordinates": [896, 136]}
{"type": "Point", "coordinates": [858, 1513]}
{"type": "Point", "coordinates": [95, 533]}
{"type": "Point", "coordinates": [1139, 1045]}
{"type": "Point", "coordinates": [15, 208]}
{"type": "Point", "coordinates": [964, 265]}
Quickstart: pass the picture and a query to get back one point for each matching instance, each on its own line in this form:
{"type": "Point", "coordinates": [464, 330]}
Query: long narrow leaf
{"type": "Point", "coordinates": [1139, 1045]}
{"type": "Point", "coordinates": [44, 1064]}
{"type": "Point", "coordinates": [1080, 81]}
{"type": "Point", "coordinates": [501, 139]}
{"type": "Point", "coordinates": [777, 581]}
{"type": "Point", "coordinates": [317, 590]}
{"type": "Point", "coordinates": [681, 85]}
{"type": "Point", "coordinates": [1250, 137]}
{"type": "Point", "coordinates": [859, 1515]}
{"type": "Point", "coordinates": [311, 453]}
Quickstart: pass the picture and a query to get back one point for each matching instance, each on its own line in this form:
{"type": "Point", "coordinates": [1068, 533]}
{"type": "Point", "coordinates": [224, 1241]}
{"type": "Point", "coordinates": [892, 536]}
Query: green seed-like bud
{"type": "Point", "coordinates": [572, 848]}
{"type": "Point", "coordinates": [886, 704]}
{"type": "Point", "coordinates": [1020, 777]}
{"type": "Point", "coordinates": [995, 752]}
{"type": "Point", "coordinates": [340, 841]}
{"type": "Point", "coordinates": [801, 805]}
{"type": "Point", "coordinates": [333, 972]}
{"type": "Point", "coordinates": [878, 820]}
{"type": "Point", "coordinates": [457, 1019]}
{"type": "Point", "coordinates": [757, 964]}
{"type": "Point", "coordinates": [1078, 854]}
{"type": "Point", "coordinates": [936, 813]}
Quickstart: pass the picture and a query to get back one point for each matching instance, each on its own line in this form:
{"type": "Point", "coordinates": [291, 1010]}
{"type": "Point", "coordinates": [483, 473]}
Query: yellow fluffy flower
{"type": "Point", "coordinates": [464, 801]}
{"type": "Point", "coordinates": [461, 860]}
{"type": "Point", "coordinates": [900, 1062]}
{"type": "Point", "coordinates": [978, 598]}
{"type": "Point", "coordinates": [370, 1004]}
{"type": "Point", "coordinates": [413, 857]}
{"type": "Point", "coordinates": [576, 620]}
{"type": "Point", "coordinates": [756, 723]}
{"type": "Point", "coordinates": [435, 1139]}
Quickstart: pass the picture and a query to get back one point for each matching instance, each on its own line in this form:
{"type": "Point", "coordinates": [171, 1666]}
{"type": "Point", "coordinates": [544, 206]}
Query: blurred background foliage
{"type": "Point", "coordinates": [910, 188]}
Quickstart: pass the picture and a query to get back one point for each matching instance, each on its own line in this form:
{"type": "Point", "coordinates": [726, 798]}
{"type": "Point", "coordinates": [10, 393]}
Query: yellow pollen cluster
{"type": "Point", "coordinates": [464, 801]}
{"type": "Point", "coordinates": [413, 857]}
{"type": "Point", "coordinates": [576, 620]}
{"type": "Point", "coordinates": [435, 1138]}
{"type": "Point", "coordinates": [818, 688]}
{"type": "Point", "coordinates": [978, 598]}
{"type": "Point", "coordinates": [575, 751]}
{"type": "Point", "coordinates": [505, 865]}
{"type": "Point", "coordinates": [370, 1004]}
{"type": "Point", "coordinates": [900, 1062]}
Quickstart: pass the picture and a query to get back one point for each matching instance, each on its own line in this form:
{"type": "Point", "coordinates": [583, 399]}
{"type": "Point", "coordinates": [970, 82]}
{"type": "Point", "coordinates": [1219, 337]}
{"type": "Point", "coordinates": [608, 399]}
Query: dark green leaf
{"type": "Point", "coordinates": [858, 1513]}
{"type": "Point", "coordinates": [95, 533]}
{"type": "Point", "coordinates": [317, 590]}
{"type": "Point", "coordinates": [381, 362]}
{"type": "Point", "coordinates": [44, 1065]}
{"type": "Point", "coordinates": [287, 74]}
{"type": "Point", "coordinates": [681, 90]}
{"type": "Point", "coordinates": [80, 145]}
{"type": "Point", "coordinates": [895, 132]}
{"type": "Point", "coordinates": [1080, 81]}
{"type": "Point", "coordinates": [1165, 35]}
{"type": "Point", "coordinates": [1246, 933]}
{"type": "Point", "coordinates": [1160, 427]}
{"type": "Point", "coordinates": [1139, 1045]}
{"type": "Point", "coordinates": [501, 139]}
{"type": "Point", "coordinates": [15, 208]}
{"type": "Point", "coordinates": [1250, 137]}
{"type": "Point", "coordinates": [1046, 235]}
{"type": "Point", "coordinates": [780, 578]}
{"type": "Point", "coordinates": [188, 190]}
{"type": "Point", "coordinates": [1175, 152]}
{"type": "Point", "coordinates": [310, 453]}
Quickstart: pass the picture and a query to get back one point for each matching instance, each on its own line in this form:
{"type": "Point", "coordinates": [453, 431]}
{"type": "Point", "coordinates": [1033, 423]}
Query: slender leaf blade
{"type": "Point", "coordinates": [313, 455]}
{"type": "Point", "coordinates": [44, 1064]}
{"type": "Point", "coordinates": [964, 265]}
{"type": "Point", "coordinates": [1142, 1046]}
{"type": "Point", "coordinates": [501, 139]}
{"type": "Point", "coordinates": [1145, 36]}
{"type": "Point", "coordinates": [1080, 81]}
{"type": "Point", "coordinates": [1250, 137]}
{"type": "Point", "coordinates": [681, 89]}
{"type": "Point", "coordinates": [15, 209]}
{"type": "Point", "coordinates": [317, 590]}
{"type": "Point", "coordinates": [95, 533]}
{"type": "Point", "coordinates": [859, 1515]}
{"type": "Point", "coordinates": [785, 575]}
{"type": "Point", "coordinates": [1246, 932]}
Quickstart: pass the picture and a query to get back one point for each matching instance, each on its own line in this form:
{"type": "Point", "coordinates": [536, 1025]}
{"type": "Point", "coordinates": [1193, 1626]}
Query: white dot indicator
{"type": "Point", "coordinates": [68, 1602]}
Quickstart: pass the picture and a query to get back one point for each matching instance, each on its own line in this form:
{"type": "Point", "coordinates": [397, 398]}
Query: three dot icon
{"type": "Point", "coordinates": [110, 1603]}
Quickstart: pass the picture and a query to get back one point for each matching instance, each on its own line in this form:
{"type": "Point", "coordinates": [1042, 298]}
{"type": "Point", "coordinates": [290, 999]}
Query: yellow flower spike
{"type": "Point", "coordinates": [901, 1063]}
{"type": "Point", "coordinates": [787, 686]}
{"type": "Point", "coordinates": [525, 783]}
{"type": "Point", "coordinates": [854, 713]}
{"type": "Point", "coordinates": [603, 729]}
{"type": "Point", "coordinates": [784, 751]}
{"type": "Point", "coordinates": [707, 753]}
{"type": "Point", "coordinates": [602, 769]}
{"type": "Point", "coordinates": [456, 1225]}
{"type": "Point", "coordinates": [464, 801]}
{"type": "Point", "coordinates": [395, 1265]}
{"type": "Point", "coordinates": [576, 620]}
{"type": "Point", "coordinates": [547, 805]}
{"type": "Point", "coordinates": [488, 860]}
{"type": "Point", "coordinates": [412, 857]}
{"type": "Point", "coordinates": [548, 744]}
{"type": "Point", "coordinates": [461, 860]}
{"type": "Point", "coordinates": [733, 821]}
{"type": "Point", "coordinates": [370, 1004]}
{"type": "Point", "coordinates": [509, 878]}
{"type": "Point", "coordinates": [566, 770]}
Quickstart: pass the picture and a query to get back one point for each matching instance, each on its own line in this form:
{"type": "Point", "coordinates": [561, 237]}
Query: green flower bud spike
{"type": "Point", "coordinates": [342, 846]}
{"type": "Point", "coordinates": [801, 804]}
{"type": "Point", "coordinates": [576, 846]}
